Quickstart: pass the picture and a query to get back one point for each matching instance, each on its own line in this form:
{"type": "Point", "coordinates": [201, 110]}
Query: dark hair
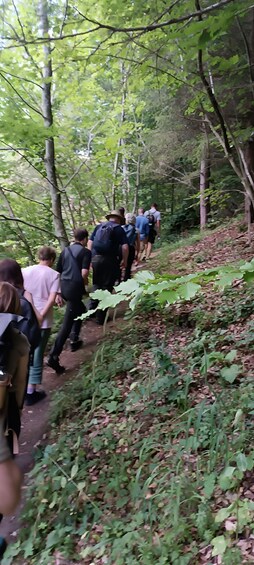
{"type": "Point", "coordinates": [46, 254]}
{"type": "Point", "coordinates": [10, 272]}
{"type": "Point", "coordinates": [9, 299]}
{"type": "Point", "coordinates": [154, 205]}
{"type": "Point", "coordinates": [80, 234]}
{"type": "Point", "coordinates": [142, 210]}
{"type": "Point", "coordinates": [121, 210]}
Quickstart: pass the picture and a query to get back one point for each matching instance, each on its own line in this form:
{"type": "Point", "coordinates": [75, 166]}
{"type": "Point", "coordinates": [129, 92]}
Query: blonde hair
{"type": "Point", "coordinates": [9, 299]}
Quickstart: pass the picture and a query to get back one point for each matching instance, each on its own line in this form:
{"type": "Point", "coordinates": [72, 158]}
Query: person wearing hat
{"type": "Point", "coordinates": [104, 243]}
{"type": "Point", "coordinates": [133, 240]}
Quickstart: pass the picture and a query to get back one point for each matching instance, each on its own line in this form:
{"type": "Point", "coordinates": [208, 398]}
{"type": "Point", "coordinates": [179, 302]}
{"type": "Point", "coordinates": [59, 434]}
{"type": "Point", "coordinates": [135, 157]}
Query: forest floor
{"type": "Point", "coordinates": [150, 457]}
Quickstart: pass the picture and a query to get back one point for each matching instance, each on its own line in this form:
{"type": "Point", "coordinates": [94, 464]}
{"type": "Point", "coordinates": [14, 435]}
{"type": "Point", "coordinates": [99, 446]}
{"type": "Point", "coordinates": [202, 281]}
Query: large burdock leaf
{"type": "Point", "coordinates": [169, 296]}
{"type": "Point", "coordinates": [188, 290]}
{"type": "Point", "coordinates": [226, 279]}
{"type": "Point", "coordinates": [127, 287]}
{"type": "Point", "coordinates": [144, 276]}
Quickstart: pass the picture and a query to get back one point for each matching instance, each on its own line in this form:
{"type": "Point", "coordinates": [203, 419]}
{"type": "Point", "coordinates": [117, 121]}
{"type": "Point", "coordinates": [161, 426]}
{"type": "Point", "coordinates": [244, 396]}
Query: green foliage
{"type": "Point", "coordinates": [186, 218]}
{"type": "Point", "coordinates": [170, 289]}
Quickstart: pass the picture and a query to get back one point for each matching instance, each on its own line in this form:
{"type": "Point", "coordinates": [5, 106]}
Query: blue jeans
{"type": "Point", "coordinates": [35, 370]}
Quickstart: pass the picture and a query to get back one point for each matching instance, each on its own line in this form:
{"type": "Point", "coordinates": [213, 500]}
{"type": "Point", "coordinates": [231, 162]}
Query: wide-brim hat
{"type": "Point", "coordinates": [115, 213]}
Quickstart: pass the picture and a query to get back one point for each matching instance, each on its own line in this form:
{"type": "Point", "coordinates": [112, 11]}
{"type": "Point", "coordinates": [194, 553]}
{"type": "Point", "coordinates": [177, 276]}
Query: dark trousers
{"type": "Point", "coordinates": [105, 272]}
{"type": "Point", "coordinates": [74, 308]}
{"type": "Point", "coordinates": [130, 260]}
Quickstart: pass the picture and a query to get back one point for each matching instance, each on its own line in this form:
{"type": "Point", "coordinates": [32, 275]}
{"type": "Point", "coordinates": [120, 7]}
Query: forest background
{"type": "Point", "coordinates": [123, 103]}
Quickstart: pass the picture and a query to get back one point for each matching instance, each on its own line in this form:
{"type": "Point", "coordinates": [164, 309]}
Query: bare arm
{"type": "Point", "coordinates": [89, 245]}
{"type": "Point", "coordinates": [125, 253]}
{"type": "Point", "coordinates": [29, 297]}
{"type": "Point", "coordinates": [50, 302]}
{"type": "Point", "coordinates": [84, 274]}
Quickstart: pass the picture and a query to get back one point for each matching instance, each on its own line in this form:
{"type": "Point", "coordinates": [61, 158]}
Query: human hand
{"type": "Point", "coordinates": [59, 300]}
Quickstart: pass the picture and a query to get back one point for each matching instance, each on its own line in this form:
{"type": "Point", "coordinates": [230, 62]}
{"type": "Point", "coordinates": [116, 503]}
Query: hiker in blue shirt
{"type": "Point", "coordinates": [142, 226]}
{"type": "Point", "coordinates": [133, 242]}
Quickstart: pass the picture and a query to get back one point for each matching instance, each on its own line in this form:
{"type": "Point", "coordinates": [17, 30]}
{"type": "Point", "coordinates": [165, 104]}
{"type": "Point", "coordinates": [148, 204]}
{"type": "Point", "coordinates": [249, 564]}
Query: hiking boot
{"type": "Point", "coordinates": [55, 365]}
{"type": "Point", "coordinates": [35, 397]}
{"type": "Point", "coordinates": [75, 345]}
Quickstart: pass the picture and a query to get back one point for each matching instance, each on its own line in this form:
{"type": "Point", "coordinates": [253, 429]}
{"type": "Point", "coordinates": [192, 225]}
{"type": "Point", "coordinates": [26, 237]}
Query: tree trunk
{"type": "Point", "coordinates": [137, 184]}
{"type": "Point", "coordinates": [172, 207]}
{"type": "Point", "coordinates": [204, 185]}
{"type": "Point", "coordinates": [48, 122]}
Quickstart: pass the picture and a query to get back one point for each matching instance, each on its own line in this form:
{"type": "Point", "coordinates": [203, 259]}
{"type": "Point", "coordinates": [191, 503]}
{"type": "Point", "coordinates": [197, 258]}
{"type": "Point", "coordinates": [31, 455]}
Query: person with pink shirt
{"type": "Point", "coordinates": [43, 283]}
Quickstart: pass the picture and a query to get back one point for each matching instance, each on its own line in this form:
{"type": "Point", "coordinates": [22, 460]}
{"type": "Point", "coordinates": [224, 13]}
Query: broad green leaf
{"type": "Point", "coordinates": [227, 278]}
{"type": "Point", "coordinates": [188, 290]}
{"type": "Point", "coordinates": [225, 480]}
{"type": "Point", "coordinates": [249, 276]}
{"type": "Point", "coordinates": [52, 539]}
{"type": "Point", "coordinates": [223, 514]}
{"type": "Point", "coordinates": [135, 299]}
{"type": "Point", "coordinates": [74, 470]}
{"type": "Point", "coordinates": [230, 373]}
{"type": "Point", "coordinates": [127, 287]}
{"type": "Point", "coordinates": [169, 296]}
{"type": "Point", "coordinates": [153, 288]}
{"type": "Point", "coordinates": [144, 276]}
{"type": "Point", "coordinates": [242, 462]}
{"type": "Point", "coordinates": [219, 545]}
{"type": "Point", "coordinates": [231, 355]}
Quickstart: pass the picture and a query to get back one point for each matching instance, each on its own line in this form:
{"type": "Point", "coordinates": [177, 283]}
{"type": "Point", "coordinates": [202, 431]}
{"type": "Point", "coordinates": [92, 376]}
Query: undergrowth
{"type": "Point", "coordinates": [138, 461]}
{"type": "Point", "coordinates": [150, 458]}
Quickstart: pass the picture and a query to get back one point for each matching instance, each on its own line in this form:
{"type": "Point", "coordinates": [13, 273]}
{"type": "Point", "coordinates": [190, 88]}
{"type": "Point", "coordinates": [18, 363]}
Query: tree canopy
{"type": "Point", "coordinates": [119, 103]}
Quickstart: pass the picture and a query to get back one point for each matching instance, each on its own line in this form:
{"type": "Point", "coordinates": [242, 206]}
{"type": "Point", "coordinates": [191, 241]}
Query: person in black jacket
{"type": "Point", "coordinates": [73, 265]}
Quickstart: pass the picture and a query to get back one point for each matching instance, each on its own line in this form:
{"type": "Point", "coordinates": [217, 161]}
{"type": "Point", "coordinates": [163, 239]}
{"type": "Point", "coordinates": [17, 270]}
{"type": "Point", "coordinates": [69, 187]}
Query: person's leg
{"type": "Point", "coordinates": [129, 263]}
{"type": "Point", "coordinates": [36, 369]}
{"type": "Point", "coordinates": [141, 250]}
{"type": "Point", "coordinates": [149, 249]}
{"type": "Point", "coordinates": [76, 327]}
{"type": "Point", "coordinates": [64, 332]}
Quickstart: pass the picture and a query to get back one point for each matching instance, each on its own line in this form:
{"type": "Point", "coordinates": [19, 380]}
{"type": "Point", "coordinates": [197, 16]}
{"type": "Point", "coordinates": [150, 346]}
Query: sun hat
{"type": "Point", "coordinates": [115, 213]}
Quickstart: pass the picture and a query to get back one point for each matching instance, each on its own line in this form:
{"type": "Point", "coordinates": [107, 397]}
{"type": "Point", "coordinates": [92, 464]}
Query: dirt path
{"type": "Point", "coordinates": [35, 418]}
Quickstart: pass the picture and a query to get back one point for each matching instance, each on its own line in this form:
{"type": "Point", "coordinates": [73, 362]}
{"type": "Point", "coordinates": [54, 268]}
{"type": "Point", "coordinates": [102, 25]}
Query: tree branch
{"type": "Point", "coordinates": [3, 217]}
{"type": "Point", "coordinates": [152, 27]}
{"type": "Point", "coordinates": [19, 95]}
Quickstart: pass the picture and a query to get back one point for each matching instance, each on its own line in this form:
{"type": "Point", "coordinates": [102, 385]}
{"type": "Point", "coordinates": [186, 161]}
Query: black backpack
{"type": "Point", "coordinates": [28, 323]}
{"type": "Point", "coordinates": [131, 234]}
{"type": "Point", "coordinates": [151, 220]}
{"type": "Point", "coordinates": [103, 241]}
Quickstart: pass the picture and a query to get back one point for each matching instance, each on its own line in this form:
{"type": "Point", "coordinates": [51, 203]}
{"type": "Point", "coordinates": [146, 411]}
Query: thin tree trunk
{"type": "Point", "coordinates": [137, 184]}
{"type": "Point", "coordinates": [204, 183]}
{"type": "Point", "coordinates": [172, 207]}
{"type": "Point", "coordinates": [48, 122]}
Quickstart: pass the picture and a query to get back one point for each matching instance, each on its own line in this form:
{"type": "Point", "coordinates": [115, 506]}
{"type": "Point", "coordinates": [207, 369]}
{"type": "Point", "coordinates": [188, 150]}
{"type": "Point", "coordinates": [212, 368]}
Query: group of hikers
{"type": "Point", "coordinates": [27, 297]}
